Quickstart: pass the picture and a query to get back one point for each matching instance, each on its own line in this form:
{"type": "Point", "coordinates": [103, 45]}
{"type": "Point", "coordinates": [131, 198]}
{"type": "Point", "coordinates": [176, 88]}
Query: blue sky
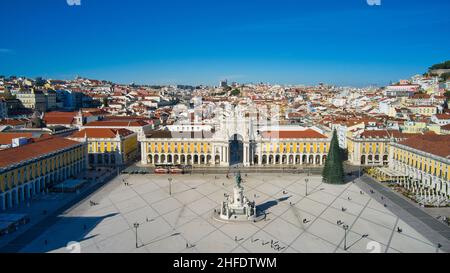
{"type": "Point", "coordinates": [345, 42]}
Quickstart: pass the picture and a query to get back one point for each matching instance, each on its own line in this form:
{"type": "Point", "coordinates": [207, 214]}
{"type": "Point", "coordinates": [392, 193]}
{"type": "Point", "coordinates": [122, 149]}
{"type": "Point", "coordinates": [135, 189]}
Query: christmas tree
{"type": "Point", "coordinates": [333, 172]}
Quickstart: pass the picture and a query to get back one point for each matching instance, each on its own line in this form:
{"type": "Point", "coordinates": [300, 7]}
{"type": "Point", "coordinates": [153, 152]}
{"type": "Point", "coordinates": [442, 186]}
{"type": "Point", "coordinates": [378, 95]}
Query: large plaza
{"type": "Point", "coordinates": [177, 216]}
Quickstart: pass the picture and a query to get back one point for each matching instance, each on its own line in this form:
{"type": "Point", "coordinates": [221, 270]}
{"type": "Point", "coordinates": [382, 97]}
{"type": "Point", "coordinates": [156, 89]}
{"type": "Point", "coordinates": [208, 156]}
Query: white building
{"type": "Point", "coordinates": [441, 119]}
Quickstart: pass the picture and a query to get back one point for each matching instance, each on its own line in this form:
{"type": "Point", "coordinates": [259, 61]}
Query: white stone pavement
{"type": "Point", "coordinates": [168, 223]}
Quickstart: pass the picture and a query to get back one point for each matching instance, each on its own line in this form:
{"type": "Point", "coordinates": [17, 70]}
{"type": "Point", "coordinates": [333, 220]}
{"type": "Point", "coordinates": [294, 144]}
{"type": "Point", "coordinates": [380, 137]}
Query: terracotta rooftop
{"type": "Point", "coordinates": [117, 123]}
{"type": "Point", "coordinates": [443, 116]}
{"type": "Point", "coordinates": [430, 143]}
{"type": "Point", "coordinates": [309, 133]}
{"type": "Point", "coordinates": [102, 133]}
{"type": "Point", "coordinates": [420, 96]}
{"type": "Point", "coordinates": [59, 120]}
{"type": "Point", "coordinates": [6, 138]}
{"type": "Point", "coordinates": [384, 134]}
{"type": "Point", "coordinates": [13, 122]}
{"type": "Point", "coordinates": [38, 148]}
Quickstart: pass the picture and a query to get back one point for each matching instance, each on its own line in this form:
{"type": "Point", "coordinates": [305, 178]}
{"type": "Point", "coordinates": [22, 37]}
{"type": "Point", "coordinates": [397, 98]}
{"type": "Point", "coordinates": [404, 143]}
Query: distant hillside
{"type": "Point", "coordinates": [442, 70]}
{"type": "Point", "coordinates": [444, 65]}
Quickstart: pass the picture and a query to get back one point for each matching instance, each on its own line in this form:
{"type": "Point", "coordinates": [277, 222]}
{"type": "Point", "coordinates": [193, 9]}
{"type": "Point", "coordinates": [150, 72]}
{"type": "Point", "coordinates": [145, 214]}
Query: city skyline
{"type": "Point", "coordinates": [200, 42]}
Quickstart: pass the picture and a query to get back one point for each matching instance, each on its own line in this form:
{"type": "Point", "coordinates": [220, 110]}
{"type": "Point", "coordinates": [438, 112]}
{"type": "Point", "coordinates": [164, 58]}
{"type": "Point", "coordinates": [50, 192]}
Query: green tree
{"type": "Point", "coordinates": [235, 92]}
{"type": "Point", "coordinates": [445, 76]}
{"type": "Point", "coordinates": [333, 172]}
{"type": "Point", "coordinates": [7, 94]}
{"type": "Point", "coordinates": [447, 95]}
{"type": "Point", "coordinates": [105, 102]}
{"type": "Point", "coordinates": [444, 65]}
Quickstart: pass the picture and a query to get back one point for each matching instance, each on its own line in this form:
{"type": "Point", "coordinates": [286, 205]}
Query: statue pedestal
{"type": "Point", "coordinates": [238, 208]}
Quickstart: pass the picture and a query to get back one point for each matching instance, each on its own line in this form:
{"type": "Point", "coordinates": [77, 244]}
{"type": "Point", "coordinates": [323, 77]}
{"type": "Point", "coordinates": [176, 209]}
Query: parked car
{"type": "Point", "coordinates": [161, 171]}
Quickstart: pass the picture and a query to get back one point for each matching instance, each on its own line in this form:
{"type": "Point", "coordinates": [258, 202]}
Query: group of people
{"type": "Point", "coordinates": [273, 244]}
{"type": "Point", "coordinates": [126, 183]}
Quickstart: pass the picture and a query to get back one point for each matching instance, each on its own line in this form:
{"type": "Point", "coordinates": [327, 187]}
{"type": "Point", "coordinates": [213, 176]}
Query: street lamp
{"type": "Point", "coordinates": [170, 185]}
{"type": "Point", "coordinates": [306, 189]}
{"type": "Point", "coordinates": [136, 226]}
{"type": "Point", "coordinates": [345, 227]}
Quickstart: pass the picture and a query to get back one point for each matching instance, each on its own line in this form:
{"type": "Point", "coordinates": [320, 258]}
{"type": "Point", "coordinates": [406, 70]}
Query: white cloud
{"type": "Point", "coordinates": [5, 50]}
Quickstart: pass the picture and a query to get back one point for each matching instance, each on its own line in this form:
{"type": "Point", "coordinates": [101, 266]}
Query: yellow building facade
{"type": "Point", "coordinates": [30, 169]}
{"type": "Point", "coordinates": [424, 159]}
{"type": "Point", "coordinates": [372, 147]}
{"type": "Point", "coordinates": [205, 148]}
{"type": "Point", "coordinates": [108, 147]}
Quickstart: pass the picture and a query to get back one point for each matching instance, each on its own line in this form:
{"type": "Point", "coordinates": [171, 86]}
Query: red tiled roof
{"type": "Point", "coordinates": [60, 114]}
{"type": "Point", "coordinates": [430, 143]}
{"type": "Point", "coordinates": [309, 133]}
{"type": "Point", "coordinates": [107, 123]}
{"type": "Point", "coordinates": [59, 120]}
{"type": "Point", "coordinates": [443, 116]}
{"type": "Point", "coordinates": [40, 147]}
{"type": "Point", "coordinates": [13, 122]}
{"type": "Point", "coordinates": [420, 96]}
{"type": "Point", "coordinates": [101, 133]}
{"type": "Point", "coordinates": [6, 138]}
{"type": "Point", "coordinates": [60, 117]}
{"type": "Point", "coordinates": [385, 134]}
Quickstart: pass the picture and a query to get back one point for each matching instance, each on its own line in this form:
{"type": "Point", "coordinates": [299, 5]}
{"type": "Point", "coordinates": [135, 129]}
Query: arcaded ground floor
{"type": "Point", "coordinates": [183, 221]}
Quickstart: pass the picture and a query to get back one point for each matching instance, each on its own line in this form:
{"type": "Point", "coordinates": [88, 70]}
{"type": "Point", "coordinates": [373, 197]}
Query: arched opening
{"type": "Point", "coordinates": [297, 159]}
{"type": "Point", "coordinates": [311, 159]}
{"type": "Point", "coordinates": [189, 159]}
{"type": "Point", "coordinates": [217, 160]}
{"type": "Point", "coordinates": [156, 159]}
{"type": "Point", "coordinates": [363, 160]}
{"type": "Point", "coordinates": [264, 159]}
{"type": "Point", "coordinates": [7, 198]}
{"type": "Point", "coordinates": [183, 159]}
{"type": "Point", "coordinates": [255, 159]}
{"type": "Point", "coordinates": [202, 159]}
{"type": "Point", "coordinates": [2, 200]}
{"type": "Point", "coordinates": [277, 159]}
{"type": "Point", "coordinates": [163, 158]}
{"type": "Point", "coordinates": [270, 159]}
{"type": "Point", "coordinates": [304, 157]}
{"type": "Point", "coordinates": [195, 159]}
{"type": "Point", "coordinates": [236, 148]}
{"type": "Point", "coordinates": [175, 159]}
{"type": "Point", "coordinates": [20, 194]}
{"type": "Point", "coordinates": [14, 197]}
{"type": "Point", "coordinates": [317, 159]}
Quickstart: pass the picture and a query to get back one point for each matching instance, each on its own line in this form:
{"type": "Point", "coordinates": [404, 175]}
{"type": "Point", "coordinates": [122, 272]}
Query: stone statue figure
{"type": "Point", "coordinates": [238, 180]}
